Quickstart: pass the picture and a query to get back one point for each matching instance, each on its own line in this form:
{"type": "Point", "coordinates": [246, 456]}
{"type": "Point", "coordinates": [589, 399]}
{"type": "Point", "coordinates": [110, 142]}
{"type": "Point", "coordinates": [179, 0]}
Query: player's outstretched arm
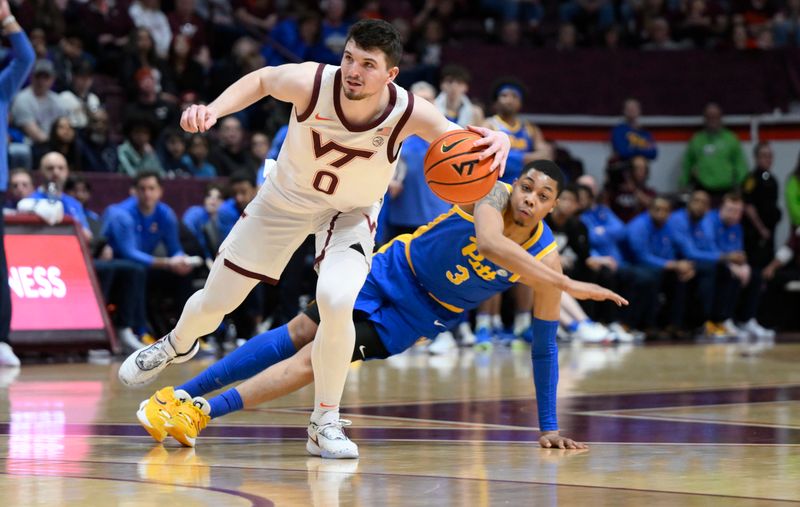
{"type": "Point", "coordinates": [504, 252]}
{"type": "Point", "coordinates": [429, 123]}
{"type": "Point", "coordinates": [292, 82]}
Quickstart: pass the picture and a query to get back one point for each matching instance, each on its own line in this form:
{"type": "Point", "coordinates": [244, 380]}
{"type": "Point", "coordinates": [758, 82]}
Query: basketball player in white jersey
{"type": "Point", "coordinates": [344, 136]}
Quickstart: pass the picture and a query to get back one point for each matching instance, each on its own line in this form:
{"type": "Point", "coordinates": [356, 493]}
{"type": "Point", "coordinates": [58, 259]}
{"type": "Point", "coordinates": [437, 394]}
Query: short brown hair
{"type": "Point", "coordinates": [378, 34]}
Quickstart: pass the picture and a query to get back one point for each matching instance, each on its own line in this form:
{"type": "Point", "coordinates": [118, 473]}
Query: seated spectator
{"type": "Point", "coordinates": [573, 249]}
{"type": "Point", "coordinates": [196, 158]}
{"type": "Point", "coordinates": [605, 264]}
{"type": "Point", "coordinates": [20, 186]}
{"type": "Point", "coordinates": [243, 189]}
{"type": "Point", "coordinates": [629, 139]}
{"type": "Point", "coordinates": [295, 38]}
{"type": "Point", "coordinates": [55, 171]}
{"type": "Point", "coordinates": [137, 229]}
{"type": "Point", "coordinates": [231, 153]}
{"type": "Point", "coordinates": [453, 101]}
{"type": "Point", "coordinates": [100, 153]}
{"type": "Point", "coordinates": [37, 107]}
{"type": "Point", "coordinates": [203, 221]}
{"type": "Point", "coordinates": [64, 140]}
{"type": "Point", "coordinates": [259, 147]}
{"type": "Point", "coordinates": [724, 226]}
{"type": "Point", "coordinates": [697, 243]}
{"type": "Point", "coordinates": [150, 104]}
{"type": "Point", "coordinates": [783, 270]}
{"type": "Point", "coordinates": [147, 14]}
{"type": "Point", "coordinates": [334, 31]}
{"type": "Point", "coordinates": [793, 195]}
{"type": "Point", "coordinates": [46, 14]}
{"type": "Point", "coordinates": [653, 246]}
{"type": "Point", "coordinates": [590, 17]}
{"type": "Point", "coordinates": [184, 21]}
{"type": "Point", "coordinates": [186, 74]}
{"type": "Point", "coordinates": [703, 22]}
{"type": "Point", "coordinates": [660, 39]}
{"type": "Point", "coordinates": [67, 56]}
{"type": "Point", "coordinates": [121, 281]}
{"type": "Point", "coordinates": [136, 155]}
{"type": "Point", "coordinates": [172, 151]}
{"type": "Point", "coordinates": [786, 25]}
{"type": "Point", "coordinates": [104, 28]}
{"type": "Point", "coordinates": [140, 53]}
{"type": "Point", "coordinates": [627, 190]}
{"type": "Point", "coordinates": [257, 17]}
{"type": "Point", "coordinates": [762, 213]}
{"type": "Point", "coordinates": [714, 160]}
{"type": "Point", "coordinates": [78, 101]}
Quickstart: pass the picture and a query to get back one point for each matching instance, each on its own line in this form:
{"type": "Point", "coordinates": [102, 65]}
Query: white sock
{"type": "Point", "coordinates": [483, 321]}
{"type": "Point", "coordinates": [497, 322]}
{"type": "Point", "coordinates": [321, 416]}
{"type": "Point", "coordinates": [522, 321]}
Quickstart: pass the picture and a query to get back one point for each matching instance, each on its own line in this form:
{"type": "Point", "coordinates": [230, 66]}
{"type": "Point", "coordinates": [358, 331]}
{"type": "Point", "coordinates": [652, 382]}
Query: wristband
{"type": "Point", "coordinates": [8, 20]}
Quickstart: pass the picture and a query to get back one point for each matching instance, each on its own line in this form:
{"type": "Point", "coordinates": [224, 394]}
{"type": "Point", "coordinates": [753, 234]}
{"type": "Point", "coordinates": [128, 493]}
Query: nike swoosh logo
{"type": "Point", "coordinates": [361, 349]}
{"type": "Point", "coordinates": [314, 439]}
{"type": "Point", "coordinates": [438, 323]}
{"type": "Point", "coordinates": [321, 118]}
{"type": "Point", "coordinates": [158, 400]}
{"type": "Point", "coordinates": [448, 147]}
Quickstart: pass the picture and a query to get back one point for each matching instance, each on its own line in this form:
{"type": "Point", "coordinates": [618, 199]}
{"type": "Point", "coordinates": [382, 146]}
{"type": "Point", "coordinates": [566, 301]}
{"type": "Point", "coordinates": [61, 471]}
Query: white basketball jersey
{"type": "Point", "coordinates": [328, 163]}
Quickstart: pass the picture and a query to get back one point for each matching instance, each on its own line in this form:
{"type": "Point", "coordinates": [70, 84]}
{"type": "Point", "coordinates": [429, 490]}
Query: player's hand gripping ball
{"type": "Point", "coordinates": [453, 169]}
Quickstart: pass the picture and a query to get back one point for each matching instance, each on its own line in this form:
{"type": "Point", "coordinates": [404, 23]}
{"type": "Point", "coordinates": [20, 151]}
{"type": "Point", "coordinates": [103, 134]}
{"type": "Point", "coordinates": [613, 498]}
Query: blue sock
{"type": "Point", "coordinates": [544, 354]}
{"type": "Point", "coordinates": [257, 354]}
{"type": "Point", "coordinates": [225, 403]}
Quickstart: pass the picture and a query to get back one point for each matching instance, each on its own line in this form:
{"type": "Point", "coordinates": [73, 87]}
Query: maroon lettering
{"type": "Point", "coordinates": [348, 154]}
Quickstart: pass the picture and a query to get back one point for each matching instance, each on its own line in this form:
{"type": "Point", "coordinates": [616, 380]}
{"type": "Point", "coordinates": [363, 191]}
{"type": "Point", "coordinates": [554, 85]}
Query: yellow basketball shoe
{"type": "Point", "coordinates": [156, 411]}
{"type": "Point", "coordinates": [188, 419]}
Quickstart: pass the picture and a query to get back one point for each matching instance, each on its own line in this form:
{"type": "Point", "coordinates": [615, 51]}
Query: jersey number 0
{"type": "Point", "coordinates": [326, 181]}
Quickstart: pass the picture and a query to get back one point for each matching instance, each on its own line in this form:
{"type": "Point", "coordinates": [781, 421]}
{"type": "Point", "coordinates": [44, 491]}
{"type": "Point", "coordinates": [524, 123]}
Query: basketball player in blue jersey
{"type": "Point", "coordinates": [419, 283]}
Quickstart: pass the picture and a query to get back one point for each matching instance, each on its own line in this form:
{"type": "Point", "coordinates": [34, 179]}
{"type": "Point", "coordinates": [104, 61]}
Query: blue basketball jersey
{"type": "Point", "coordinates": [421, 283]}
{"type": "Point", "coordinates": [521, 137]}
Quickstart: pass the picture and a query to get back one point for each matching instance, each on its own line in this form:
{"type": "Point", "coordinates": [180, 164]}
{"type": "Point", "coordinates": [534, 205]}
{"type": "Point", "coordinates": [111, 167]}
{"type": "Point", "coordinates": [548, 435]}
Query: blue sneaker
{"type": "Point", "coordinates": [483, 339]}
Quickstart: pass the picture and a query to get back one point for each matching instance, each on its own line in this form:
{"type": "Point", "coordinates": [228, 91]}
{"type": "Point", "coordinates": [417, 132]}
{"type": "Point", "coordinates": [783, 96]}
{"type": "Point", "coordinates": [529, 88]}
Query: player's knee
{"type": "Point", "coordinates": [302, 330]}
{"type": "Point", "coordinates": [335, 303]}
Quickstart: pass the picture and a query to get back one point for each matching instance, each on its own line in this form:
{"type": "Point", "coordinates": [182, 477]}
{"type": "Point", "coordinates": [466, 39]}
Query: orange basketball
{"type": "Point", "coordinates": [453, 171]}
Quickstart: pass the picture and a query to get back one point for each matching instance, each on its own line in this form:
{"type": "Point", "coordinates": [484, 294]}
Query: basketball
{"type": "Point", "coordinates": [453, 171]}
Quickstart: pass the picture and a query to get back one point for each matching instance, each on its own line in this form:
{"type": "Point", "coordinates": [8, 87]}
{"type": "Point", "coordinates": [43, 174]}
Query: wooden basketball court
{"type": "Point", "coordinates": [667, 425]}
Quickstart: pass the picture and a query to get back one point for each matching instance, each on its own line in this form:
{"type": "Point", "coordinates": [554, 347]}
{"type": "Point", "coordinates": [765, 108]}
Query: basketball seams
{"type": "Point", "coordinates": [463, 182]}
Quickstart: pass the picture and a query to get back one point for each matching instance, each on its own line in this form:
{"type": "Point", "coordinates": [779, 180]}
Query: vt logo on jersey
{"type": "Point", "coordinates": [348, 154]}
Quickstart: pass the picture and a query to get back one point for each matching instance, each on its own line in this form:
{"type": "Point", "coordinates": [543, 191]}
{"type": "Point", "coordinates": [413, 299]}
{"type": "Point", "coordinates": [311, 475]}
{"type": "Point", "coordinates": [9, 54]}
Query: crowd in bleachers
{"type": "Point", "coordinates": [111, 78]}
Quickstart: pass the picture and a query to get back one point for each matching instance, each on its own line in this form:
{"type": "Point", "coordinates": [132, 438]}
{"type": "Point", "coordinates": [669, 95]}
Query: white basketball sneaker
{"type": "Point", "coordinates": [144, 365]}
{"type": "Point", "coordinates": [329, 441]}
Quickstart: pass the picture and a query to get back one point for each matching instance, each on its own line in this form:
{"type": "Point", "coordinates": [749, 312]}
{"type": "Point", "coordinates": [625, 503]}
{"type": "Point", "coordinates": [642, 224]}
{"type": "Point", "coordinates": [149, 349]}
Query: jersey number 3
{"type": "Point", "coordinates": [326, 181]}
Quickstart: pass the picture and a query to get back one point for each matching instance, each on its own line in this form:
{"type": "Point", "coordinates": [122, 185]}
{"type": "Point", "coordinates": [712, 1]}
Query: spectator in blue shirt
{"type": "Point", "coordinates": [653, 246]}
{"type": "Point", "coordinates": [243, 189]}
{"type": "Point", "coordinates": [203, 221]}
{"type": "Point", "coordinates": [11, 79]}
{"type": "Point", "coordinates": [55, 173]}
{"type": "Point", "coordinates": [607, 265]}
{"type": "Point", "coordinates": [195, 161]}
{"type": "Point", "coordinates": [697, 243]}
{"type": "Point", "coordinates": [744, 287]}
{"type": "Point", "coordinates": [628, 139]}
{"type": "Point", "coordinates": [140, 227]}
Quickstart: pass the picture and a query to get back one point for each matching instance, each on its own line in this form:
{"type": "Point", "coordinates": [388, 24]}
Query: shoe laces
{"type": "Point", "coordinates": [193, 415]}
{"type": "Point", "coordinates": [334, 430]}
